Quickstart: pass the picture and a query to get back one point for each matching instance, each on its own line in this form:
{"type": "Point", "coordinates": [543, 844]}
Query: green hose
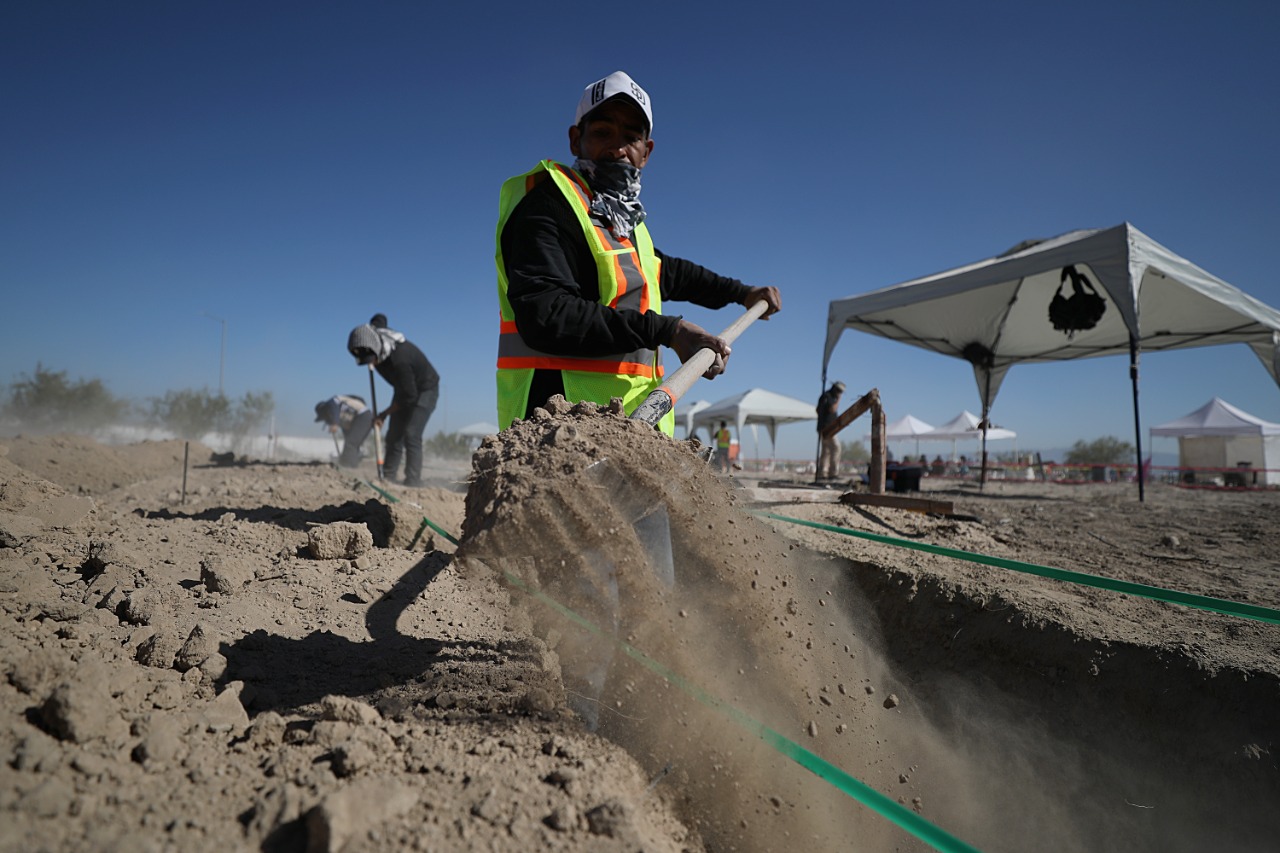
{"type": "Point", "coordinates": [1189, 599]}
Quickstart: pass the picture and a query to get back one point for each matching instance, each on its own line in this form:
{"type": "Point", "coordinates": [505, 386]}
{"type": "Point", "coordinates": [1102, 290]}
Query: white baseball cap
{"type": "Point", "coordinates": [617, 83]}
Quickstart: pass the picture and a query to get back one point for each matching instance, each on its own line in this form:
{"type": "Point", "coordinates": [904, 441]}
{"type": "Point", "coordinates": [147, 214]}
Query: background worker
{"type": "Point", "coordinates": [349, 413]}
{"type": "Point", "coordinates": [417, 387]}
{"type": "Point", "coordinates": [723, 443]}
{"type": "Point", "coordinates": [581, 285]}
{"type": "Point", "coordinates": [829, 450]}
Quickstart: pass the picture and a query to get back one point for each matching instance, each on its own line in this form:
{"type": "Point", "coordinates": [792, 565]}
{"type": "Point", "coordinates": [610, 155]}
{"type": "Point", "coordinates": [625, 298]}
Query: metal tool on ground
{"type": "Point", "coordinates": [377, 433]}
{"type": "Point", "coordinates": [663, 399]}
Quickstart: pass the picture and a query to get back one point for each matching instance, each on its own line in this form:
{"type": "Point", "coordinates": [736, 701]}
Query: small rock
{"type": "Point", "coordinates": [891, 701]}
{"type": "Point", "coordinates": [140, 607]}
{"type": "Point", "coordinates": [162, 742]}
{"type": "Point", "coordinates": [158, 650]}
{"type": "Point", "coordinates": [79, 708]}
{"type": "Point", "coordinates": [214, 666]}
{"type": "Point", "coordinates": [563, 819]}
{"type": "Point", "coordinates": [225, 713]}
{"type": "Point", "coordinates": [200, 644]}
{"type": "Point", "coordinates": [223, 576]}
{"type": "Point", "coordinates": [341, 539]}
{"type": "Point", "coordinates": [608, 819]}
{"type": "Point", "coordinates": [348, 710]}
{"type": "Point", "coordinates": [350, 812]}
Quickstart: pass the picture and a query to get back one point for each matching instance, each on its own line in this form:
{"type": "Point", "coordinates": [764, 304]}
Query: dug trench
{"type": "Point", "coordinates": [1071, 741]}
{"type": "Point", "coordinates": [957, 693]}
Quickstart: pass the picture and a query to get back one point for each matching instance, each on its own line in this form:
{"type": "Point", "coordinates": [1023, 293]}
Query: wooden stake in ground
{"type": "Point", "coordinates": [377, 431]}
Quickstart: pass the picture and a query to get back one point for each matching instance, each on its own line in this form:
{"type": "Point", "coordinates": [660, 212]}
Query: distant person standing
{"type": "Point", "coordinates": [349, 413]}
{"type": "Point", "coordinates": [829, 450]}
{"type": "Point", "coordinates": [723, 445]}
{"type": "Point", "coordinates": [417, 388]}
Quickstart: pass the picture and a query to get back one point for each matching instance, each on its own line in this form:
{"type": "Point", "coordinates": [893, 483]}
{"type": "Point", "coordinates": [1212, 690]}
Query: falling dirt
{"type": "Point", "coordinates": [617, 657]}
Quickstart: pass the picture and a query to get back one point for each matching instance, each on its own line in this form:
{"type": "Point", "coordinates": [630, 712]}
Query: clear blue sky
{"type": "Point", "coordinates": [292, 168]}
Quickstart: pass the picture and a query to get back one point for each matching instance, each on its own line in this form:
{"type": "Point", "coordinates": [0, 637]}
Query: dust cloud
{"type": "Point", "coordinates": [751, 630]}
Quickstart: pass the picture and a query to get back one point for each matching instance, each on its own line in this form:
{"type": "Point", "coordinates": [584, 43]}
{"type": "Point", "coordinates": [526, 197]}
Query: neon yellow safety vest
{"type": "Point", "coordinates": [722, 439]}
{"type": "Point", "coordinates": [628, 272]}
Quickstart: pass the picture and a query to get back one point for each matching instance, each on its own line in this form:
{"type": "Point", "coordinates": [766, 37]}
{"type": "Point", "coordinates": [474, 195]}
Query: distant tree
{"type": "Point", "coordinates": [854, 452]}
{"type": "Point", "coordinates": [251, 411]}
{"type": "Point", "coordinates": [1101, 451]}
{"type": "Point", "coordinates": [190, 413]}
{"type": "Point", "coordinates": [47, 401]}
{"type": "Point", "coordinates": [448, 445]}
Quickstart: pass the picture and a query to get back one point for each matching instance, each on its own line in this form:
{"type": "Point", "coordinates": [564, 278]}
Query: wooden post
{"type": "Point", "coordinates": [876, 476]}
{"type": "Point", "coordinates": [862, 404]}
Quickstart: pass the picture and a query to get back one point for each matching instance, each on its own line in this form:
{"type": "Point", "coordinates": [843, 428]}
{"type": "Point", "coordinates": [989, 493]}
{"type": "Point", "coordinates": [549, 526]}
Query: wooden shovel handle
{"type": "Point", "coordinates": [663, 399]}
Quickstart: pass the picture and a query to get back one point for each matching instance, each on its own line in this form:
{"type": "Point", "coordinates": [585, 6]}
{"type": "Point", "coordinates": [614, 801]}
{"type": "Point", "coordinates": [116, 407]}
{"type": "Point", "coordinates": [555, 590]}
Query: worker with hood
{"type": "Point", "coordinates": [417, 388]}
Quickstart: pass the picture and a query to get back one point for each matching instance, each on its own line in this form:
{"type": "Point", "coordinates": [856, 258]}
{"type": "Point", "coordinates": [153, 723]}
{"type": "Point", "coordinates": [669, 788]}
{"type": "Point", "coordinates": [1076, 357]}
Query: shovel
{"type": "Point", "coordinates": [663, 399]}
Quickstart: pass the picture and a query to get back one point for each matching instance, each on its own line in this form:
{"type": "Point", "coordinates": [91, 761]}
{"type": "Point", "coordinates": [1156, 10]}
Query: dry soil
{"type": "Point", "coordinates": [621, 654]}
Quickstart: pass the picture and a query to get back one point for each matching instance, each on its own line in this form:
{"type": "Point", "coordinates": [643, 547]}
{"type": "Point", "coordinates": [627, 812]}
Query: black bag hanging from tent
{"type": "Point", "coordinates": [1081, 310]}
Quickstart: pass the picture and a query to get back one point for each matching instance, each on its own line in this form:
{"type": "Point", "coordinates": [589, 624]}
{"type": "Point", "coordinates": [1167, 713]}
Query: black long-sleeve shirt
{"type": "Point", "coordinates": [554, 288]}
{"type": "Point", "coordinates": [409, 373]}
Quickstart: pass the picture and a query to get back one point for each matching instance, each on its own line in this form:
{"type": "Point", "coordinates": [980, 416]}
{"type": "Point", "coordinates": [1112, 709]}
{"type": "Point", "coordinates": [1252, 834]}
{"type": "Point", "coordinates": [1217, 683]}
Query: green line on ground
{"type": "Point", "coordinates": [1172, 596]}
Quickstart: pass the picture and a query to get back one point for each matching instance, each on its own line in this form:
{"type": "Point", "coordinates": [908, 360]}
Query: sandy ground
{"type": "Point", "coordinates": [286, 660]}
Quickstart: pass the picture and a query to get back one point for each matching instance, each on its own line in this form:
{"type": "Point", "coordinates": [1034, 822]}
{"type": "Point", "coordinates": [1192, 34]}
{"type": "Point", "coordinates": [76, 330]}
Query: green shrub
{"type": "Point", "coordinates": [448, 445]}
{"type": "Point", "coordinates": [190, 413]}
{"type": "Point", "coordinates": [1101, 451]}
{"type": "Point", "coordinates": [47, 401]}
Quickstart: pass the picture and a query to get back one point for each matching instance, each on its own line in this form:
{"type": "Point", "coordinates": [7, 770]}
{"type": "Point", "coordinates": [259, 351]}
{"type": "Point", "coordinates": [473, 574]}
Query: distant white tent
{"type": "Point", "coordinates": [1005, 310]}
{"type": "Point", "coordinates": [476, 432]}
{"type": "Point", "coordinates": [756, 406]}
{"type": "Point", "coordinates": [905, 428]}
{"type": "Point", "coordinates": [965, 427]}
{"type": "Point", "coordinates": [478, 429]}
{"type": "Point", "coordinates": [1219, 435]}
{"type": "Point", "coordinates": [908, 426]}
{"type": "Point", "coordinates": [684, 415]}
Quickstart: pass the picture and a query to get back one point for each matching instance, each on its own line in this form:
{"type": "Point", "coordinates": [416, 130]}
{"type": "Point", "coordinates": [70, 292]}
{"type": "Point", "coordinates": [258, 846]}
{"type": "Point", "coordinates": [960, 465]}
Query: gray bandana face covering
{"type": "Point", "coordinates": [615, 185]}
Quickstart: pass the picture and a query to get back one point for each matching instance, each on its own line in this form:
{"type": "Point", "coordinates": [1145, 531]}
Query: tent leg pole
{"type": "Point", "coordinates": [1137, 420]}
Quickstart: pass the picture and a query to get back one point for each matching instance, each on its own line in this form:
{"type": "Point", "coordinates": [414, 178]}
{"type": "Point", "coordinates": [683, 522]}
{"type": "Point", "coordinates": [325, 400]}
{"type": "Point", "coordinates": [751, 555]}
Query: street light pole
{"type": "Point", "coordinates": [222, 355]}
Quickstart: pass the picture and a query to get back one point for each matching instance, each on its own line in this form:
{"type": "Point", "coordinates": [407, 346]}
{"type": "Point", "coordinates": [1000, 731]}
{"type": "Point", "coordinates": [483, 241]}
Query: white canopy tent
{"type": "Point", "coordinates": [967, 426]}
{"type": "Point", "coordinates": [1219, 435]}
{"type": "Point", "coordinates": [684, 415]}
{"type": "Point", "coordinates": [905, 428]}
{"type": "Point", "coordinates": [476, 432]}
{"type": "Point", "coordinates": [756, 406]}
{"type": "Point", "coordinates": [996, 313]}
{"type": "Point", "coordinates": [478, 429]}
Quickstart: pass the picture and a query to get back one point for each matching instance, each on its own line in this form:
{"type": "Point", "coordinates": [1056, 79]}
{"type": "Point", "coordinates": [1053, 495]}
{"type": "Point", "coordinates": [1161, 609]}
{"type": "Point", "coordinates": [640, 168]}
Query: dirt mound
{"type": "Point", "coordinates": [638, 542]}
{"type": "Point", "coordinates": [187, 675]}
{"type": "Point", "coordinates": [81, 464]}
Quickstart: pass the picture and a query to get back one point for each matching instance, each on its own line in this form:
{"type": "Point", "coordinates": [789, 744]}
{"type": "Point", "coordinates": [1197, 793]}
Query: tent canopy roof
{"type": "Point", "coordinates": [756, 406]}
{"type": "Point", "coordinates": [684, 415]}
{"type": "Point", "coordinates": [995, 313]}
{"type": "Point", "coordinates": [478, 430]}
{"type": "Point", "coordinates": [908, 426]}
{"type": "Point", "coordinates": [1217, 417]}
{"type": "Point", "coordinates": [965, 425]}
